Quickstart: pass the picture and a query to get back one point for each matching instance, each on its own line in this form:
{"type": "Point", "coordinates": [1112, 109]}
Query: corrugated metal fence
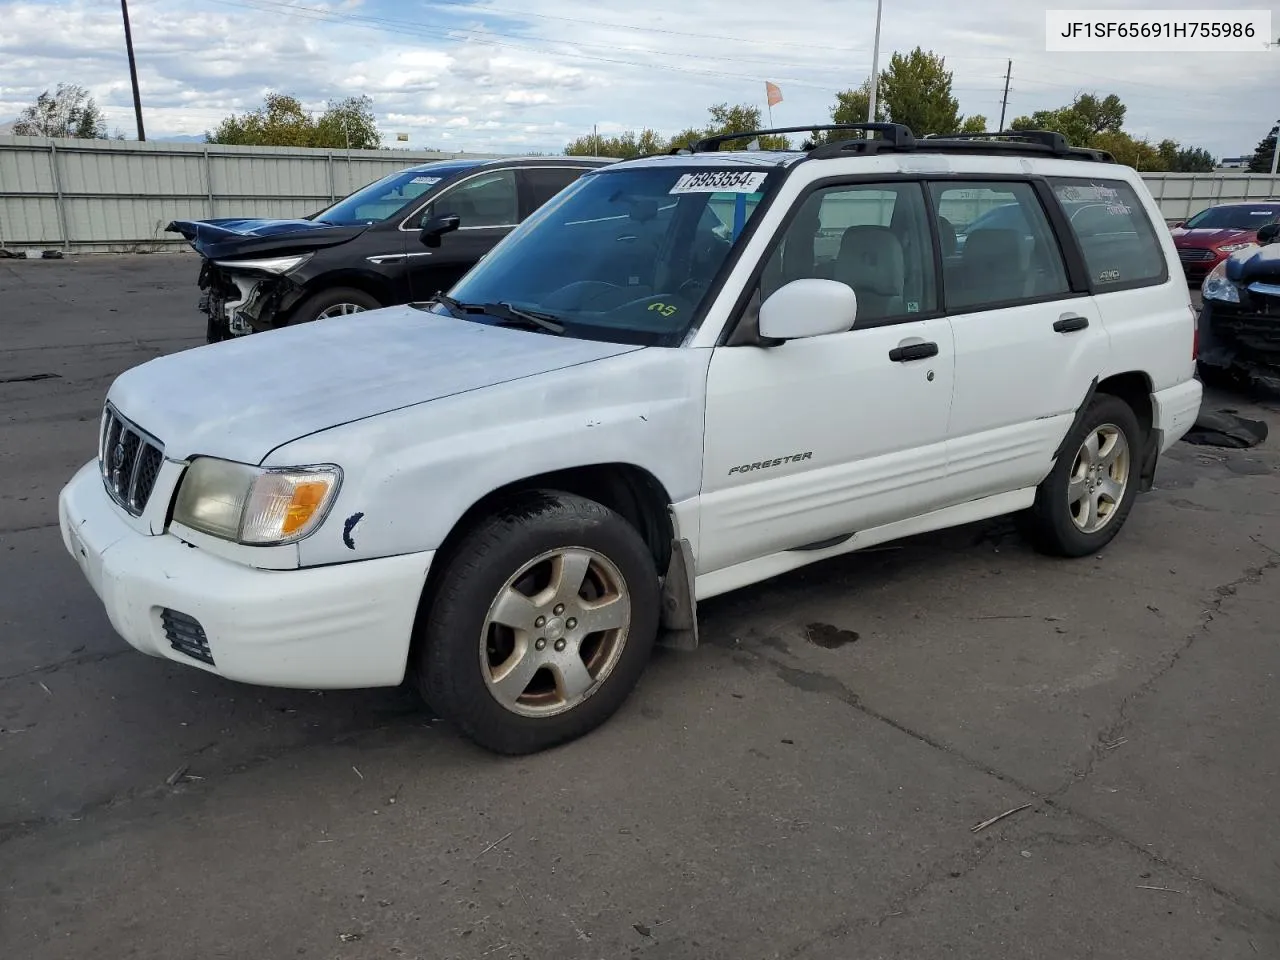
{"type": "Point", "coordinates": [115, 195]}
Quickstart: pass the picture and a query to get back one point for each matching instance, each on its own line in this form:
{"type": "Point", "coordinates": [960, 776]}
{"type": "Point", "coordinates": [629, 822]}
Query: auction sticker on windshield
{"type": "Point", "coordinates": [720, 181]}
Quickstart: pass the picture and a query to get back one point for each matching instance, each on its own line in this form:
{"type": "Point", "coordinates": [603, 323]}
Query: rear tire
{"type": "Point", "coordinates": [543, 619]}
{"type": "Point", "coordinates": [332, 301]}
{"type": "Point", "coordinates": [1087, 496]}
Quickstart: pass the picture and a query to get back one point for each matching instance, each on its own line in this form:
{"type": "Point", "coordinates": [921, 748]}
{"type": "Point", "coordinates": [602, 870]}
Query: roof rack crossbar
{"type": "Point", "coordinates": [1049, 138]}
{"type": "Point", "coordinates": [895, 134]}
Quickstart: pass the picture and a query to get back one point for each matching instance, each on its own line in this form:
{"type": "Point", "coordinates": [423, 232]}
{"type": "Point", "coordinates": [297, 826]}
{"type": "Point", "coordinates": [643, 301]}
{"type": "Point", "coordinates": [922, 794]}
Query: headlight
{"type": "Point", "coordinates": [1216, 286]}
{"type": "Point", "coordinates": [276, 265]}
{"type": "Point", "coordinates": [255, 505]}
{"type": "Point", "coordinates": [1233, 247]}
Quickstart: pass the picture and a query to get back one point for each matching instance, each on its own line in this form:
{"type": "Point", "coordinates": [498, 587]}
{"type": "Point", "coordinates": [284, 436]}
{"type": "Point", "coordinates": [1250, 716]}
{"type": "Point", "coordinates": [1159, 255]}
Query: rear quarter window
{"type": "Point", "coordinates": [1121, 247]}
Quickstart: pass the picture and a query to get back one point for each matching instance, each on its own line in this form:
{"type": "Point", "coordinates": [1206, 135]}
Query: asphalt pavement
{"type": "Point", "coordinates": [809, 784]}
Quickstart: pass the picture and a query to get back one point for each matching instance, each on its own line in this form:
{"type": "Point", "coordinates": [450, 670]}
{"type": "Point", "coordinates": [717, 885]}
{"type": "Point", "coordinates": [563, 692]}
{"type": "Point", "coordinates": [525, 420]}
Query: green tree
{"type": "Point", "coordinates": [851, 106]}
{"type": "Point", "coordinates": [916, 91]}
{"type": "Point", "coordinates": [1099, 115]}
{"type": "Point", "coordinates": [975, 124]}
{"type": "Point", "coordinates": [348, 123]}
{"type": "Point", "coordinates": [1130, 151]}
{"type": "Point", "coordinates": [68, 112]}
{"type": "Point", "coordinates": [1176, 158]}
{"type": "Point", "coordinates": [1261, 162]}
{"type": "Point", "coordinates": [1063, 120]}
{"type": "Point", "coordinates": [281, 121]}
{"type": "Point", "coordinates": [732, 118]}
{"type": "Point", "coordinates": [1081, 121]}
{"type": "Point", "coordinates": [625, 145]}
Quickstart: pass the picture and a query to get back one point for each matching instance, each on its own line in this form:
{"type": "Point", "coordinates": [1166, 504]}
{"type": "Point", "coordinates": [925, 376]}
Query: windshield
{"type": "Point", "coordinates": [1239, 217]}
{"type": "Point", "coordinates": [623, 255]}
{"type": "Point", "coordinates": [380, 199]}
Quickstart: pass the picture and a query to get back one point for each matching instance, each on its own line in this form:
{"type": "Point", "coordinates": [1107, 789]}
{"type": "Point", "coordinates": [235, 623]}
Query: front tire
{"type": "Point", "coordinates": [332, 302]}
{"type": "Point", "coordinates": [543, 619]}
{"type": "Point", "coordinates": [1085, 500]}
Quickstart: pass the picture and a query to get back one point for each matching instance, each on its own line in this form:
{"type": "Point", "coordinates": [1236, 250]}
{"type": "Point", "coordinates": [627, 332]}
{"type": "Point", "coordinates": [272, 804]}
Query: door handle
{"type": "Point", "coordinates": [912, 351]}
{"type": "Point", "coordinates": [1069, 322]}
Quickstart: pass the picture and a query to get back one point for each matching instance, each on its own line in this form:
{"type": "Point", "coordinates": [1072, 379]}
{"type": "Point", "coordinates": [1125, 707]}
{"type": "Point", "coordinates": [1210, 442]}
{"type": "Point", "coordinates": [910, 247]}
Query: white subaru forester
{"type": "Point", "coordinates": [683, 375]}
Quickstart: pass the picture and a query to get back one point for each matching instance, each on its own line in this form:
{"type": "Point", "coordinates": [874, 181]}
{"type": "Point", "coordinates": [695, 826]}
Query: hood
{"type": "Point", "coordinates": [1210, 237]}
{"type": "Point", "coordinates": [225, 238]}
{"type": "Point", "coordinates": [240, 399]}
{"type": "Point", "coordinates": [1250, 266]}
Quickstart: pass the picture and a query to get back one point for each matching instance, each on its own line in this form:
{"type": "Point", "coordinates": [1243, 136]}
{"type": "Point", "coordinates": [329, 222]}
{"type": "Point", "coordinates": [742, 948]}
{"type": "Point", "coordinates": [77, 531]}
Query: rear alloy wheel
{"type": "Point", "coordinates": [543, 618]}
{"type": "Point", "coordinates": [1087, 496]}
{"type": "Point", "coordinates": [333, 302]}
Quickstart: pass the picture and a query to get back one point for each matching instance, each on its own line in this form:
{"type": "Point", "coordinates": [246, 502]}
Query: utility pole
{"type": "Point", "coordinates": [1275, 154]}
{"type": "Point", "coordinates": [133, 69]}
{"type": "Point", "coordinates": [875, 66]}
{"type": "Point", "coordinates": [1005, 102]}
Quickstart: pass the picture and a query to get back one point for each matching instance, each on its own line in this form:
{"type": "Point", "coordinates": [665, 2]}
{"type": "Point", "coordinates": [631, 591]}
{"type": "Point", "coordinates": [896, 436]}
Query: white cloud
{"type": "Point", "coordinates": [496, 75]}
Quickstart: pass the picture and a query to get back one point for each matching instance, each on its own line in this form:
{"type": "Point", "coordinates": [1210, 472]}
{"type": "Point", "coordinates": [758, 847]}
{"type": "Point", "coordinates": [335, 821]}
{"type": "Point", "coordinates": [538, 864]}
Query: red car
{"type": "Point", "coordinates": [1214, 234]}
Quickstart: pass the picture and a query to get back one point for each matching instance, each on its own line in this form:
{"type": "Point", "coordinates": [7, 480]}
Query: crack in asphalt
{"type": "Point", "coordinates": [833, 688]}
{"type": "Point", "coordinates": [72, 661]}
{"type": "Point", "coordinates": [1213, 605]}
{"type": "Point", "coordinates": [34, 526]}
{"type": "Point", "coordinates": [16, 829]}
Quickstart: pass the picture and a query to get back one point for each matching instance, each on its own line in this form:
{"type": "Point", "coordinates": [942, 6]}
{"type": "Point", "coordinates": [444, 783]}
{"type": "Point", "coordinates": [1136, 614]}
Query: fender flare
{"type": "Point", "coordinates": [1148, 457]}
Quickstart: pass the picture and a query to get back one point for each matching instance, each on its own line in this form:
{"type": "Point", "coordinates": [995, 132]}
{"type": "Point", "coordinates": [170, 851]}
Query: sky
{"type": "Point", "coordinates": [511, 76]}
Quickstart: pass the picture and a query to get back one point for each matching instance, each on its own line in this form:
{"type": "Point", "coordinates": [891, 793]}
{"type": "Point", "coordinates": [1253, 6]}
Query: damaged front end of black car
{"type": "Point", "coordinates": [1239, 326]}
{"type": "Point", "coordinates": [254, 272]}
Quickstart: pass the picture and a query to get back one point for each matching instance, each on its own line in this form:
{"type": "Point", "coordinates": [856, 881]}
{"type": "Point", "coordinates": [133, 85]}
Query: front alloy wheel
{"type": "Point", "coordinates": [539, 622]}
{"type": "Point", "coordinates": [339, 310]}
{"type": "Point", "coordinates": [554, 632]}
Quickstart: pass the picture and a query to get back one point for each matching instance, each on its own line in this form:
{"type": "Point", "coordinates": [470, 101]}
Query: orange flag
{"type": "Point", "coordinates": [773, 93]}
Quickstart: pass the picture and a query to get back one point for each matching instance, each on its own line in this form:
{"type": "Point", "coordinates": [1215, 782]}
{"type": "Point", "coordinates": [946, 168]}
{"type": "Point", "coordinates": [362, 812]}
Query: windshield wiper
{"type": "Point", "coordinates": [503, 311]}
{"type": "Point", "coordinates": [506, 312]}
{"type": "Point", "coordinates": [457, 308]}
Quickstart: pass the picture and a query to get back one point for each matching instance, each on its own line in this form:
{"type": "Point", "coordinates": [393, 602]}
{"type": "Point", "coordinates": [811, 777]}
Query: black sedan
{"type": "Point", "coordinates": [370, 249]}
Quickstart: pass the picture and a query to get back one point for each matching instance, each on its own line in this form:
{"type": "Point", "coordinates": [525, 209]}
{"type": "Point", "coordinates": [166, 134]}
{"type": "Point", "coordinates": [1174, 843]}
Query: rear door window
{"type": "Point", "coordinates": [998, 246]}
{"type": "Point", "coordinates": [1120, 246]}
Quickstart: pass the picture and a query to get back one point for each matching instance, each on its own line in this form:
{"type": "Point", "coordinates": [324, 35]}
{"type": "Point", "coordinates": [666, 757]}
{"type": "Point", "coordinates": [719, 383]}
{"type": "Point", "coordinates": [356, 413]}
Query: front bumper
{"type": "Point", "coordinates": [342, 626]}
{"type": "Point", "coordinates": [1242, 340]}
{"type": "Point", "coordinates": [238, 304]}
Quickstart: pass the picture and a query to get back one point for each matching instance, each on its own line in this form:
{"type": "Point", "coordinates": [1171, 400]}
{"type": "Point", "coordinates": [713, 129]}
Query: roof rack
{"type": "Point", "coordinates": [898, 137]}
{"type": "Point", "coordinates": [895, 134]}
{"type": "Point", "coordinates": [1021, 141]}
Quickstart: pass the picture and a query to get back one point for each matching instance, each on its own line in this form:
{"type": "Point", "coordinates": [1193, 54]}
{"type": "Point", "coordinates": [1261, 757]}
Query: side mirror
{"type": "Point", "coordinates": [808, 308]}
{"type": "Point", "coordinates": [436, 227]}
{"type": "Point", "coordinates": [1269, 233]}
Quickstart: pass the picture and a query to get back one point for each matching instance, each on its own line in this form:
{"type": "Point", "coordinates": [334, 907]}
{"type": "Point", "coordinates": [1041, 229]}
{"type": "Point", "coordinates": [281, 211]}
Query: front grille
{"type": "Point", "coordinates": [1194, 254]}
{"type": "Point", "coordinates": [185, 635]}
{"type": "Point", "coordinates": [130, 461]}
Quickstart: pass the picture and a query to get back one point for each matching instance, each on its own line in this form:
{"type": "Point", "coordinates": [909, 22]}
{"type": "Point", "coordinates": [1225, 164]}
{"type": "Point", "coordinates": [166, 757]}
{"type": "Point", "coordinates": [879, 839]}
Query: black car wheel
{"type": "Point", "coordinates": [333, 302]}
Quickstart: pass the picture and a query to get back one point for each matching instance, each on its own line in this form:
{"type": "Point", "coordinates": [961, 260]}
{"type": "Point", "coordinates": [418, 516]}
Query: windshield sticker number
{"type": "Point", "coordinates": [426, 180]}
{"type": "Point", "coordinates": [666, 309]}
{"type": "Point", "coordinates": [719, 181]}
